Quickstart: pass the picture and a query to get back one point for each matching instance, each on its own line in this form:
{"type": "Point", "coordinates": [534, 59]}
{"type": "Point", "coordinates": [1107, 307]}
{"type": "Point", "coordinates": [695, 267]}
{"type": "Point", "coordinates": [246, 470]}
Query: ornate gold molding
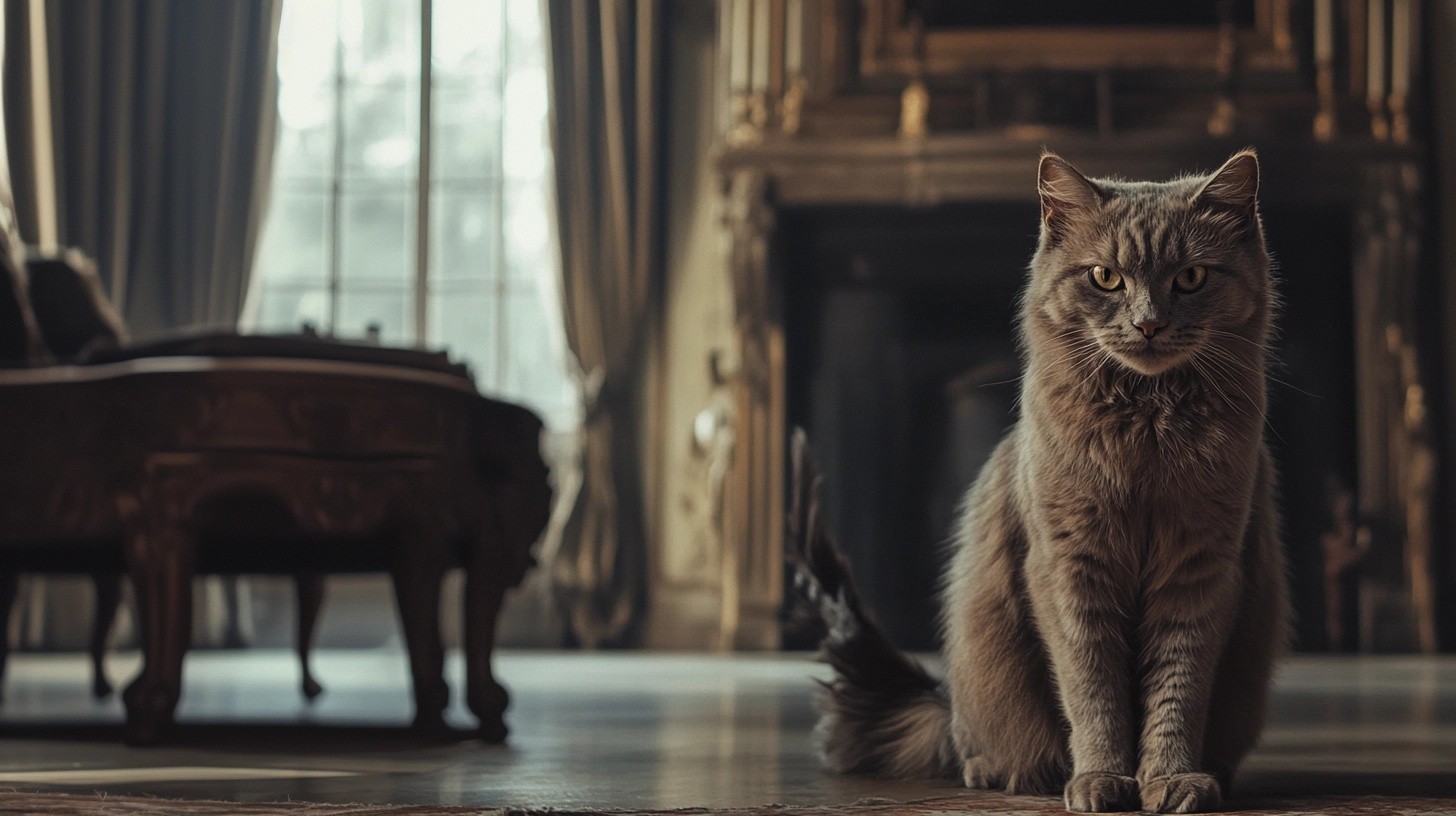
{"type": "Point", "coordinates": [754, 495]}
{"type": "Point", "coordinates": [1396, 449]}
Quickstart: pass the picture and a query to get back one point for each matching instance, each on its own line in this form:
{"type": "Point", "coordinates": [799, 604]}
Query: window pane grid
{"type": "Point", "coordinates": [342, 244]}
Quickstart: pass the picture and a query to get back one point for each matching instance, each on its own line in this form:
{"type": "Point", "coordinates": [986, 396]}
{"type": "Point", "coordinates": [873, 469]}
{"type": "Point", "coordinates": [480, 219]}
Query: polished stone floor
{"type": "Point", "coordinates": [628, 730]}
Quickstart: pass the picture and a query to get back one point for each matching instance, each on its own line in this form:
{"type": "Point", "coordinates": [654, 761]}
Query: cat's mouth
{"type": "Point", "coordinates": [1150, 357]}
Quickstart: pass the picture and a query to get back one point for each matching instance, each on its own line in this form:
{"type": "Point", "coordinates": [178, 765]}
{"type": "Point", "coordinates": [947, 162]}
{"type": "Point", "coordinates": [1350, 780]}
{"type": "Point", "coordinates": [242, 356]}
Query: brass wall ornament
{"type": "Point", "coordinates": [914, 110]}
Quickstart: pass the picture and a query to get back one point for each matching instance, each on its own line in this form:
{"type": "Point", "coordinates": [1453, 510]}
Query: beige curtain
{"type": "Point", "coordinates": [605, 72]}
{"type": "Point", "coordinates": [164, 115]}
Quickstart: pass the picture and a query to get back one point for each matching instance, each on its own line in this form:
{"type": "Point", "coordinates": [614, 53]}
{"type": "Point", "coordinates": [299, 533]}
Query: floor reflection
{"type": "Point", "coordinates": [633, 730]}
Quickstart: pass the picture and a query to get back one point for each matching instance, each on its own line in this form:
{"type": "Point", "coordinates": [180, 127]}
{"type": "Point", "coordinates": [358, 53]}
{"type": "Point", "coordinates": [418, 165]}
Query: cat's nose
{"type": "Point", "coordinates": [1149, 328]}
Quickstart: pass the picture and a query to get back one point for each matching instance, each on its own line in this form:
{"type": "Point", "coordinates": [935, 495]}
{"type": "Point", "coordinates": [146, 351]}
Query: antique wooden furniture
{"type": "Point", "coordinates": [169, 466]}
{"type": "Point", "coordinates": [75, 322]}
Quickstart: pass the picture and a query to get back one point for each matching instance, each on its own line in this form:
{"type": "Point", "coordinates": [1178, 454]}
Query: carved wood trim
{"type": "Point", "coordinates": [1397, 456]}
{"type": "Point", "coordinates": [342, 497]}
{"type": "Point", "coordinates": [888, 52]}
{"type": "Point", "coordinates": [754, 495]}
{"type": "Point", "coordinates": [829, 171]}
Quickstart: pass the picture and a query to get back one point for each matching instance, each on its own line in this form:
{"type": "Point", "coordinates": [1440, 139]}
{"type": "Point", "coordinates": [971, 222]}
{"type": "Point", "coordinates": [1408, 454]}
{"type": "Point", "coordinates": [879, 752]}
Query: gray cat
{"type": "Point", "coordinates": [1116, 599]}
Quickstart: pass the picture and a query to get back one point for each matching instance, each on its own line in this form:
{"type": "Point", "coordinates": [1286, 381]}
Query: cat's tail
{"type": "Point", "coordinates": [882, 714]}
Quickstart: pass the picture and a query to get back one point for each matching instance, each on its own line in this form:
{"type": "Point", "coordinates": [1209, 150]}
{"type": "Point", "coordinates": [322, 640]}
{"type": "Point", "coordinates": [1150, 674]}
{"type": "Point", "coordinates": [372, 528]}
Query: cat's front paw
{"type": "Point", "coordinates": [1181, 793]}
{"type": "Point", "coordinates": [1098, 792]}
{"type": "Point", "coordinates": [979, 774]}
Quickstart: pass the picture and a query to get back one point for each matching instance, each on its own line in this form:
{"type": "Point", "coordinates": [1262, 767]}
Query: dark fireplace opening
{"type": "Point", "coordinates": [903, 368]}
{"type": "Point", "coordinates": [1312, 405]}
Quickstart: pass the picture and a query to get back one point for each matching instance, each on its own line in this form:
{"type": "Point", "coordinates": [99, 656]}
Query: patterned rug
{"type": "Point", "coordinates": [990, 804]}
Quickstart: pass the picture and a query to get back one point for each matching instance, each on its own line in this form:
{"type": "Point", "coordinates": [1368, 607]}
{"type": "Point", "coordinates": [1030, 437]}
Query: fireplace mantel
{"type": "Point", "coordinates": [813, 172]}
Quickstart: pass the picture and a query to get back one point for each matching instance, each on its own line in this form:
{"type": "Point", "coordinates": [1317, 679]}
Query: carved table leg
{"type": "Point", "coordinates": [9, 586]}
{"type": "Point", "coordinates": [108, 600]}
{"type": "Point", "coordinates": [309, 587]}
{"type": "Point", "coordinates": [160, 562]}
{"type": "Point", "coordinates": [419, 569]}
{"type": "Point", "coordinates": [484, 593]}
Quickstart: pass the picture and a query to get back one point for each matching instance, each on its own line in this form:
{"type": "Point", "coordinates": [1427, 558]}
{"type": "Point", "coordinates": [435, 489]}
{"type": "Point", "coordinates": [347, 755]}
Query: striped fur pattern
{"type": "Point", "coordinates": [1116, 598]}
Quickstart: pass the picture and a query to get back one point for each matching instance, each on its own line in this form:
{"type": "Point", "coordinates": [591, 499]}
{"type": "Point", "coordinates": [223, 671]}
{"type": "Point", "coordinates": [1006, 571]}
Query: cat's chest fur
{"type": "Point", "coordinates": [1140, 464]}
{"type": "Point", "coordinates": [1139, 430]}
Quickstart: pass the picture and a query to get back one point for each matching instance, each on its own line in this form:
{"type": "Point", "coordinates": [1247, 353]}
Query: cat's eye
{"type": "Point", "coordinates": [1191, 279]}
{"type": "Point", "coordinates": [1107, 280]}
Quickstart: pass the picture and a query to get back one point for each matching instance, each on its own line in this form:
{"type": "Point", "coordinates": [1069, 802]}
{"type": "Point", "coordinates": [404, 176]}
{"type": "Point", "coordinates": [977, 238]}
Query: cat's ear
{"type": "Point", "coordinates": [1065, 194]}
{"type": "Point", "coordinates": [1235, 185]}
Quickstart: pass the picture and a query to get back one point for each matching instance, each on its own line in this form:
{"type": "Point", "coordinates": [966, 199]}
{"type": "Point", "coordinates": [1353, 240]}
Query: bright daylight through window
{"type": "Point", "coordinates": [450, 246]}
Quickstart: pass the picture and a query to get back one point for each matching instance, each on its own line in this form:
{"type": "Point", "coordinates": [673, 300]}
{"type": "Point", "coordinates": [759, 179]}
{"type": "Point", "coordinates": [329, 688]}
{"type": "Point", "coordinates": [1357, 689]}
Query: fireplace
{"type": "Point", "coordinates": [880, 211]}
{"type": "Point", "coordinates": [902, 366]}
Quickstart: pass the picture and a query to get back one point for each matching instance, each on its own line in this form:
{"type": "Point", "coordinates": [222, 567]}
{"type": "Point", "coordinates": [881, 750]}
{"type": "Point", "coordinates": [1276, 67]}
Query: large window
{"type": "Point", "coordinates": [410, 188]}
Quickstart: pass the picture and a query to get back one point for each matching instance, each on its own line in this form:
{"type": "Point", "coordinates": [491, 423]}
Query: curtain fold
{"type": "Point", "coordinates": [164, 115]}
{"type": "Point", "coordinates": [19, 334]}
{"type": "Point", "coordinates": [606, 58]}
{"type": "Point", "coordinates": [162, 121]}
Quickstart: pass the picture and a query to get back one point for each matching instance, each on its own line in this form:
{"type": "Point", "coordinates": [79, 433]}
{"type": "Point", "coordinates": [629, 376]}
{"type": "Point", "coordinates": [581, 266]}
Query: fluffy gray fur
{"type": "Point", "coordinates": [1116, 599]}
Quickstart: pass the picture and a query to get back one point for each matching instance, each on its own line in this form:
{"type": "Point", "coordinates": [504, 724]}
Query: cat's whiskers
{"type": "Point", "coordinates": [1208, 377]}
{"type": "Point", "coordinates": [1262, 346]}
{"type": "Point", "coordinates": [1212, 382]}
{"type": "Point", "coordinates": [1094, 360]}
{"type": "Point", "coordinates": [1272, 378]}
{"type": "Point", "coordinates": [1229, 373]}
{"type": "Point", "coordinates": [1083, 355]}
{"type": "Point", "coordinates": [1226, 333]}
{"type": "Point", "coordinates": [1233, 378]}
{"type": "Point", "coordinates": [1233, 364]}
{"type": "Point", "coordinates": [1078, 353]}
{"type": "Point", "coordinates": [1102, 356]}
